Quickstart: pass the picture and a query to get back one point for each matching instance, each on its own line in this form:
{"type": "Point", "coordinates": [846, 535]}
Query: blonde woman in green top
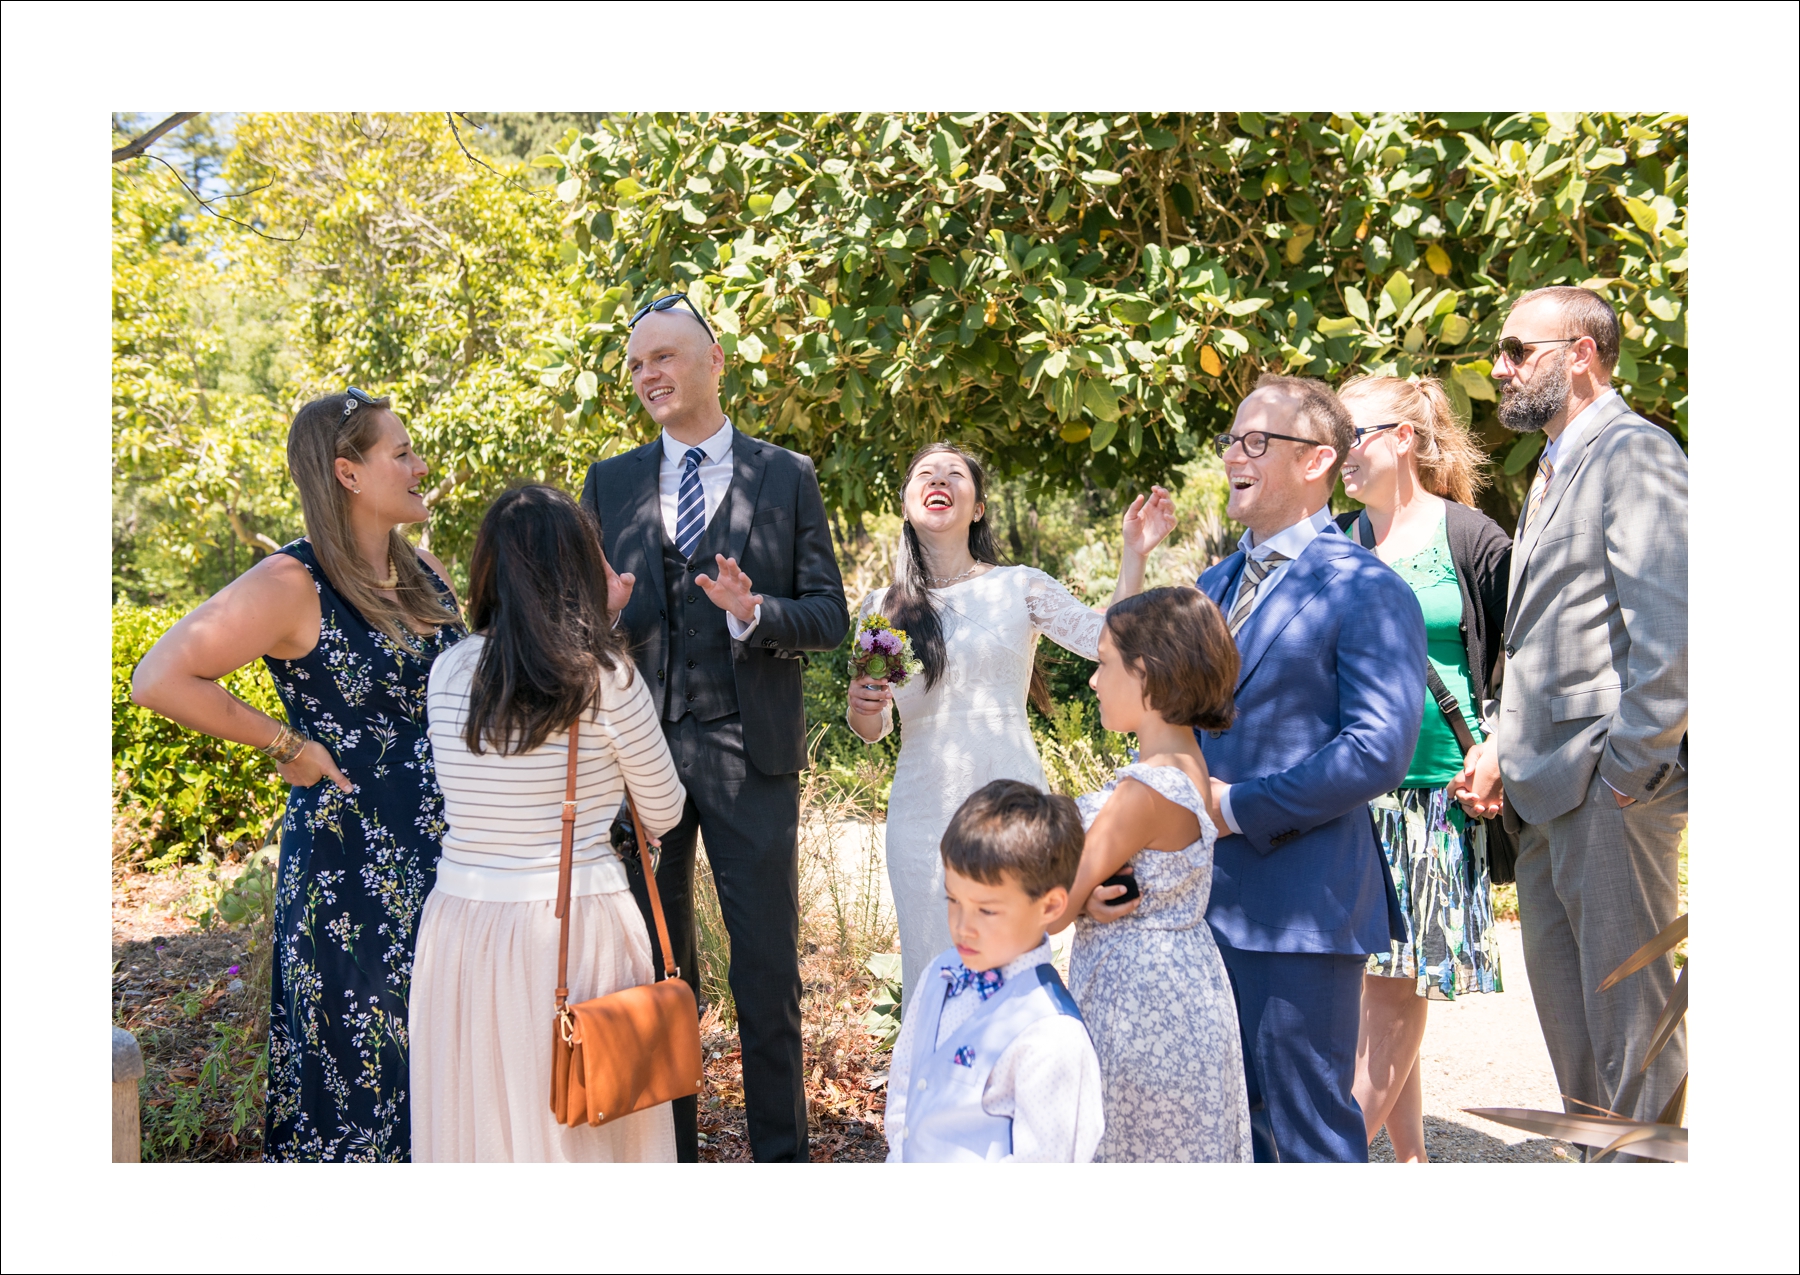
{"type": "Point", "coordinates": [1415, 469]}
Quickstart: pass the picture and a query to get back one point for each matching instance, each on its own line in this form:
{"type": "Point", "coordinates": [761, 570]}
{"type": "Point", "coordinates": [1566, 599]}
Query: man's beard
{"type": "Point", "coordinates": [1530, 407]}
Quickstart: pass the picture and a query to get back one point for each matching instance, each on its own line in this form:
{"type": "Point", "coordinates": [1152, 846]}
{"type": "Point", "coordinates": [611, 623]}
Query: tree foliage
{"type": "Point", "coordinates": [1082, 296]}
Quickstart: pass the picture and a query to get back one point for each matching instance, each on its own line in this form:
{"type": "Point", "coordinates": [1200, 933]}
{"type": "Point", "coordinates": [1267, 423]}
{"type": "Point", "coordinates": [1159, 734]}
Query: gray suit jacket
{"type": "Point", "coordinates": [1596, 625]}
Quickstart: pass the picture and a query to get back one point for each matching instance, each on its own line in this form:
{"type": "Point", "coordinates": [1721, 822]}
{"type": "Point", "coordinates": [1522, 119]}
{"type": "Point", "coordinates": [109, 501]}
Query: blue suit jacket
{"type": "Point", "coordinates": [1330, 700]}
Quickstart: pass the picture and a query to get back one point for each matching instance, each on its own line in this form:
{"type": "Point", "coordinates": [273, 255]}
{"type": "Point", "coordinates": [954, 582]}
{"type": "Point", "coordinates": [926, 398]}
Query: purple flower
{"type": "Point", "coordinates": [866, 640]}
{"type": "Point", "coordinates": [232, 970]}
{"type": "Point", "coordinates": [888, 643]}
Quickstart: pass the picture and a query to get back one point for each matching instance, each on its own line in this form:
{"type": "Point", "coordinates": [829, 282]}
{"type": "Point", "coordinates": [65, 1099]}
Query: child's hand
{"type": "Point", "coordinates": [1100, 909]}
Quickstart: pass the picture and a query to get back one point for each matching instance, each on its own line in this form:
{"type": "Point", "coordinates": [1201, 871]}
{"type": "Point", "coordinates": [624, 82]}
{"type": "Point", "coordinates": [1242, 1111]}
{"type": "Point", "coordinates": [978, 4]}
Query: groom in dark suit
{"type": "Point", "coordinates": [723, 665]}
{"type": "Point", "coordinates": [1330, 695]}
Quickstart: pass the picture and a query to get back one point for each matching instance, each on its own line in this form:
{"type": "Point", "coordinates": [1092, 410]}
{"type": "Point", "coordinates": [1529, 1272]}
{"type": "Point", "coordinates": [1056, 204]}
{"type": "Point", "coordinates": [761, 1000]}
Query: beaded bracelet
{"type": "Point", "coordinates": [286, 745]}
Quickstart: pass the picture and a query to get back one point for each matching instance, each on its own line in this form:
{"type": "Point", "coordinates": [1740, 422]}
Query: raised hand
{"type": "Point", "coordinates": [1149, 521]}
{"type": "Point", "coordinates": [730, 590]}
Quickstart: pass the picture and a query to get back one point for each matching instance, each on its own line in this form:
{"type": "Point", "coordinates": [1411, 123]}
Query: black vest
{"type": "Point", "coordinates": [701, 680]}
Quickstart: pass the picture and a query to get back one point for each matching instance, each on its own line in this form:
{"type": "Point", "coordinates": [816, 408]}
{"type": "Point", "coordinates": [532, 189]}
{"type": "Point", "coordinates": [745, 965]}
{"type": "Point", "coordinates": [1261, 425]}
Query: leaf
{"type": "Point", "coordinates": [750, 346]}
{"type": "Point", "coordinates": [1438, 260]}
{"type": "Point", "coordinates": [987, 181]}
{"type": "Point", "coordinates": [1075, 431]}
{"type": "Point", "coordinates": [1664, 304]}
{"type": "Point", "coordinates": [1301, 208]}
{"type": "Point", "coordinates": [1160, 139]}
{"type": "Point", "coordinates": [784, 200]}
{"type": "Point", "coordinates": [759, 204]}
{"type": "Point", "coordinates": [569, 191]}
{"type": "Point", "coordinates": [1670, 1019]}
{"type": "Point", "coordinates": [1641, 214]}
{"type": "Point", "coordinates": [1523, 452]}
{"type": "Point", "coordinates": [1100, 398]}
{"type": "Point", "coordinates": [586, 383]}
{"type": "Point", "coordinates": [1455, 331]}
{"type": "Point", "coordinates": [1676, 1107]}
{"type": "Point", "coordinates": [1059, 205]}
{"type": "Point", "coordinates": [1354, 303]}
{"type": "Point", "coordinates": [1249, 305]}
{"type": "Point", "coordinates": [1100, 177]}
{"type": "Point", "coordinates": [1668, 1142]}
{"type": "Point", "coordinates": [1668, 940]}
{"type": "Point", "coordinates": [1477, 384]}
{"type": "Point", "coordinates": [1398, 290]}
{"type": "Point", "coordinates": [627, 188]}
{"type": "Point", "coordinates": [1337, 327]}
{"type": "Point", "coordinates": [1103, 434]}
{"type": "Point", "coordinates": [1232, 339]}
{"type": "Point", "coordinates": [1210, 362]}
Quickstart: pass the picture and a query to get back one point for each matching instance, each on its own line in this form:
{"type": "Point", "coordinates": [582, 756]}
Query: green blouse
{"type": "Point", "coordinates": [1432, 575]}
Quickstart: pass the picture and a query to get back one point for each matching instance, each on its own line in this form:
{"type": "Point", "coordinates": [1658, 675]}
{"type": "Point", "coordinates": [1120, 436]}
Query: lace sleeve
{"type": "Point", "coordinates": [1061, 617]}
{"type": "Point", "coordinates": [870, 605]}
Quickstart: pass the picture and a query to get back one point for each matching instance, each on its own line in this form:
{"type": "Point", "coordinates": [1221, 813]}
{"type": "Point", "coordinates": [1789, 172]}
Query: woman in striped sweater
{"type": "Point", "coordinates": [542, 650]}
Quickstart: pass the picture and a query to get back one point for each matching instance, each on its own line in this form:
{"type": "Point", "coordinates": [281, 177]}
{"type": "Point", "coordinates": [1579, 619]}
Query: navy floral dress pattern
{"type": "Point", "coordinates": [355, 870]}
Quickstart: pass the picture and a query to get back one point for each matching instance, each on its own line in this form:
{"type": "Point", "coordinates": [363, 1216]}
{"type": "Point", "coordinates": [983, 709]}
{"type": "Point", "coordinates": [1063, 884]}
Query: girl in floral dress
{"type": "Point", "coordinates": [348, 620]}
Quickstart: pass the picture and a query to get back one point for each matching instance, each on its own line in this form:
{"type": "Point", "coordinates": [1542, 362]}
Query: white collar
{"type": "Point", "coordinates": [1289, 541]}
{"type": "Point", "coordinates": [1039, 955]}
{"type": "Point", "coordinates": [716, 447]}
{"type": "Point", "coordinates": [1577, 429]}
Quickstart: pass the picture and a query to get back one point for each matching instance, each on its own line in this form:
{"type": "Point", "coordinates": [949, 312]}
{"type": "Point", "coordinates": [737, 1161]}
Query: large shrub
{"type": "Point", "coordinates": [197, 792]}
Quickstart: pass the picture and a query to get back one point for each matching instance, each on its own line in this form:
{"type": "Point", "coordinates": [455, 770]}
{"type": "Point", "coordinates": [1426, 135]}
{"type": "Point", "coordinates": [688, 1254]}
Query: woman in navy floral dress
{"type": "Point", "coordinates": [349, 620]}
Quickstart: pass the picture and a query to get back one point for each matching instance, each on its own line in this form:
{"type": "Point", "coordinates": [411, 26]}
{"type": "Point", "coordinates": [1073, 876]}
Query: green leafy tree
{"type": "Point", "coordinates": [1085, 296]}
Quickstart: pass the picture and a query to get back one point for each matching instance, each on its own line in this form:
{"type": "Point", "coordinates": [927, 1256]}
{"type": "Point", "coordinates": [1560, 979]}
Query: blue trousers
{"type": "Point", "coordinates": [1299, 1013]}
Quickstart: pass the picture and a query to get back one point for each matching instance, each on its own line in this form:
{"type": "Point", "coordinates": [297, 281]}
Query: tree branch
{"type": "Point", "coordinates": [451, 116]}
{"type": "Point", "coordinates": [207, 204]}
{"type": "Point", "coordinates": [137, 146]}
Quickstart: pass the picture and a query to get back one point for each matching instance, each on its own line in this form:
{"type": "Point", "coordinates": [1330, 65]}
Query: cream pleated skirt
{"type": "Point", "coordinates": [482, 1010]}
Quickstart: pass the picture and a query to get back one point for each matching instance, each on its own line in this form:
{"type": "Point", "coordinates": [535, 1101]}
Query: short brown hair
{"type": "Point", "coordinates": [1008, 828]}
{"type": "Point", "coordinates": [1177, 640]}
{"type": "Point", "coordinates": [1324, 417]}
{"type": "Point", "coordinates": [1585, 313]}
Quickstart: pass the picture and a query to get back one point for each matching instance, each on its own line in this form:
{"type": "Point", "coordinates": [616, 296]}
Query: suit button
{"type": "Point", "coordinates": [690, 664]}
{"type": "Point", "coordinates": [659, 675]}
{"type": "Point", "coordinates": [690, 697]}
{"type": "Point", "coordinates": [1510, 651]}
{"type": "Point", "coordinates": [663, 614]}
{"type": "Point", "coordinates": [690, 599]}
{"type": "Point", "coordinates": [768, 641]}
{"type": "Point", "coordinates": [690, 633]}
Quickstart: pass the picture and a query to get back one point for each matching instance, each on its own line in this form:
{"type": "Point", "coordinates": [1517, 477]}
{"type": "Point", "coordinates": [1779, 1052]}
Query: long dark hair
{"type": "Point", "coordinates": [537, 593]}
{"type": "Point", "coordinates": [910, 603]}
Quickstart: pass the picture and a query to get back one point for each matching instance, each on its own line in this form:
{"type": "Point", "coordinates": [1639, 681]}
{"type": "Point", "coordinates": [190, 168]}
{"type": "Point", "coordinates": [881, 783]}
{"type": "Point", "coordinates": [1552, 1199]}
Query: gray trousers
{"type": "Point", "coordinates": [1595, 885]}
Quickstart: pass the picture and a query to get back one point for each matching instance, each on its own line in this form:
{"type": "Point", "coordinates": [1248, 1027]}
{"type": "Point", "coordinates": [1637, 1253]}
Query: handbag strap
{"type": "Point", "coordinates": [1450, 707]}
{"type": "Point", "coordinates": [566, 867]}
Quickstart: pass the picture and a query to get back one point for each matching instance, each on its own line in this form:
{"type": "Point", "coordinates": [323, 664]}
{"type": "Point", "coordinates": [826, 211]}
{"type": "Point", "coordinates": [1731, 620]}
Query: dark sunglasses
{"type": "Point", "coordinates": [669, 303]}
{"type": "Point", "coordinates": [1363, 431]}
{"type": "Point", "coordinates": [357, 398]}
{"type": "Point", "coordinates": [1516, 351]}
{"type": "Point", "coordinates": [1256, 441]}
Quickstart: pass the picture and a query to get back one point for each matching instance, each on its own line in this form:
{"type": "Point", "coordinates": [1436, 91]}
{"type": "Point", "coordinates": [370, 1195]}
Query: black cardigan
{"type": "Point", "coordinates": [1482, 553]}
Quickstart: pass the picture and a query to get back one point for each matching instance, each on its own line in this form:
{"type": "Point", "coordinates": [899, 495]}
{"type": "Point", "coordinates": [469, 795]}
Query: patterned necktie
{"type": "Point", "coordinates": [1535, 500]}
{"type": "Point", "coordinates": [1255, 571]}
{"type": "Point", "coordinates": [690, 506]}
{"type": "Point", "coordinates": [962, 978]}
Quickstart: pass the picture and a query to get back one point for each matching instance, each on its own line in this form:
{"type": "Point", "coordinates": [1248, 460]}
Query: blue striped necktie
{"type": "Point", "coordinates": [690, 507]}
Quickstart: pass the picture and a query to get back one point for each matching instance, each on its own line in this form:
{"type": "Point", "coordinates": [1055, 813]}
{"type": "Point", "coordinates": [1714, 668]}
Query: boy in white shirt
{"type": "Point", "coordinates": [993, 1062]}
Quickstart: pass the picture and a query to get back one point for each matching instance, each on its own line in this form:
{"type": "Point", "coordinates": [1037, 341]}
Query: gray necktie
{"type": "Point", "coordinates": [1255, 571]}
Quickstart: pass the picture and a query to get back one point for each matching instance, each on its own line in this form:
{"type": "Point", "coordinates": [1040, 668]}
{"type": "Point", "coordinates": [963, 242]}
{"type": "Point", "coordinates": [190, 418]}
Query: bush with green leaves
{"type": "Point", "coordinates": [210, 795]}
{"type": "Point", "coordinates": [1084, 296]}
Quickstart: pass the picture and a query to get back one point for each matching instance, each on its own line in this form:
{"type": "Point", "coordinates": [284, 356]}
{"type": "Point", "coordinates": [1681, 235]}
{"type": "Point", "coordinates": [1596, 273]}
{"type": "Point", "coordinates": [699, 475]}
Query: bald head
{"type": "Point", "coordinates": [675, 368]}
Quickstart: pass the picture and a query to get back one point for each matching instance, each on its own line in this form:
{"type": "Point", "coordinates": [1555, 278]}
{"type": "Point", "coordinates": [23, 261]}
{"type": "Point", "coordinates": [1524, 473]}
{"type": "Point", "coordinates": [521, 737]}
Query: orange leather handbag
{"type": "Point", "coordinates": [621, 1053]}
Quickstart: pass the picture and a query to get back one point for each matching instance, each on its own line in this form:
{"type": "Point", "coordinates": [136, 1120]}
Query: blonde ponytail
{"type": "Point", "coordinates": [1450, 462]}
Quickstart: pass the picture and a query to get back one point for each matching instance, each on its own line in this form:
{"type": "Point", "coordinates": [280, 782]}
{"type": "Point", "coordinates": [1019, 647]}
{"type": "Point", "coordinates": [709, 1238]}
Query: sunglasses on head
{"type": "Point", "coordinates": [1515, 351]}
{"type": "Point", "coordinates": [669, 303]}
{"type": "Point", "coordinates": [356, 398]}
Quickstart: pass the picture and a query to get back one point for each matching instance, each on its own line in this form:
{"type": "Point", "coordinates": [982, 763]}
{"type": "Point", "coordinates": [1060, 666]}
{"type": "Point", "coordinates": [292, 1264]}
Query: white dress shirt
{"type": "Point", "coordinates": [1047, 1082]}
{"type": "Point", "coordinates": [1291, 542]}
{"type": "Point", "coordinates": [715, 480]}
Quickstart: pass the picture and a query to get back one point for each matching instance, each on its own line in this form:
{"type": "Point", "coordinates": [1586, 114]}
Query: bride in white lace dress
{"type": "Point", "coordinates": [975, 625]}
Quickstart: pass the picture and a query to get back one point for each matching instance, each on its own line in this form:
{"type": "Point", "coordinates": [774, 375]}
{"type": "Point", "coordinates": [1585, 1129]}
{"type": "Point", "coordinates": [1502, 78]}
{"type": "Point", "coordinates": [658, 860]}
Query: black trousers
{"type": "Point", "coordinates": [750, 822]}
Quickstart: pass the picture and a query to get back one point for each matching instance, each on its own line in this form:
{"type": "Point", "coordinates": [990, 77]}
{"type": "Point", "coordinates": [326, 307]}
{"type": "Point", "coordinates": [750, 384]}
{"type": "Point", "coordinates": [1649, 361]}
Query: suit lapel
{"type": "Point", "coordinates": [1224, 579]}
{"type": "Point", "coordinates": [749, 459]}
{"type": "Point", "coordinates": [1529, 537]}
{"type": "Point", "coordinates": [649, 513]}
{"type": "Point", "coordinates": [1297, 587]}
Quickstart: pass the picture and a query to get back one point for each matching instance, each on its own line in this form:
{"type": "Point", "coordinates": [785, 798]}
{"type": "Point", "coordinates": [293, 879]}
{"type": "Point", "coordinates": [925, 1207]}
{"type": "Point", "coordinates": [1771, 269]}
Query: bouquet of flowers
{"type": "Point", "coordinates": [883, 653]}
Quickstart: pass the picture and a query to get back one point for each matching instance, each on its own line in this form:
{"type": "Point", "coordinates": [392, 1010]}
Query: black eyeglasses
{"type": "Point", "coordinates": [1516, 351]}
{"type": "Point", "coordinates": [1363, 431]}
{"type": "Point", "coordinates": [669, 303]}
{"type": "Point", "coordinates": [1256, 441]}
{"type": "Point", "coordinates": [357, 398]}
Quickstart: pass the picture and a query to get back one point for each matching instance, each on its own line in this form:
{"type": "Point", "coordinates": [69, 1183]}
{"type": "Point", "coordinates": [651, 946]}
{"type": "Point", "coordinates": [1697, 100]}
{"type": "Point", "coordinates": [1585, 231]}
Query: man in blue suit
{"type": "Point", "coordinates": [1330, 697]}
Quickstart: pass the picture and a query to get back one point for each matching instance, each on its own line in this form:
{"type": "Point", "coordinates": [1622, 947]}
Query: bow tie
{"type": "Point", "coordinates": [962, 978]}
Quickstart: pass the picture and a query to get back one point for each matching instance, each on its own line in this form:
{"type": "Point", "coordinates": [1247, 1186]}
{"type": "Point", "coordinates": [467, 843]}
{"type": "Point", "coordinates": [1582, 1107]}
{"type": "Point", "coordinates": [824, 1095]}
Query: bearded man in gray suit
{"type": "Point", "coordinates": [1590, 737]}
